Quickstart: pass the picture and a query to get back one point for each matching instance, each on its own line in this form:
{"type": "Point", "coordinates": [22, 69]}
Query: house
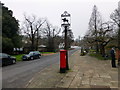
{"type": "Point", "coordinates": [42, 48]}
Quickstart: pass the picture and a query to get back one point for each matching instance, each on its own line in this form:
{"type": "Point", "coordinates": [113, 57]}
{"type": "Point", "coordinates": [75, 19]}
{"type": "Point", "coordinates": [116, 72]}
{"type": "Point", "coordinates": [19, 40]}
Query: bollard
{"type": "Point", "coordinates": [62, 61]}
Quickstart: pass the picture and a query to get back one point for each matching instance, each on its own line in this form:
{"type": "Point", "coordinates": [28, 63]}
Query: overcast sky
{"type": "Point", "coordinates": [80, 11]}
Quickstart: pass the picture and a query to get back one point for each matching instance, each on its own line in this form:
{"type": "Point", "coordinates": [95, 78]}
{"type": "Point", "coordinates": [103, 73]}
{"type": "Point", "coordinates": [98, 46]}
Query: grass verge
{"type": "Point", "coordinates": [18, 57]}
{"type": "Point", "coordinates": [98, 56]}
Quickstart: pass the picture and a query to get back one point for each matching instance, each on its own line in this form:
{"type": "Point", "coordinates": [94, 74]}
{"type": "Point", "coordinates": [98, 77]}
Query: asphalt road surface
{"type": "Point", "coordinates": [18, 75]}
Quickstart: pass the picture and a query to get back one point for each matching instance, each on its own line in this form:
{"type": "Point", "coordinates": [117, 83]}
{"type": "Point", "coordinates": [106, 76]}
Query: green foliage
{"type": "Point", "coordinates": [7, 44]}
{"type": "Point", "coordinates": [92, 50]}
{"type": "Point", "coordinates": [82, 54]}
{"type": "Point", "coordinates": [99, 56]}
{"type": "Point", "coordinates": [18, 57]}
{"type": "Point", "coordinates": [10, 31]}
{"type": "Point", "coordinates": [96, 55]}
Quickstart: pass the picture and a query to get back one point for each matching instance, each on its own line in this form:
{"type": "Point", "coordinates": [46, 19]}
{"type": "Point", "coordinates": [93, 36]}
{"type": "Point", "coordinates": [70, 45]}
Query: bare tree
{"type": "Point", "coordinates": [94, 25]}
{"type": "Point", "coordinates": [51, 32]}
{"type": "Point", "coordinates": [115, 16]}
{"type": "Point", "coordinates": [32, 27]}
{"type": "Point", "coordinates": [105, 35]}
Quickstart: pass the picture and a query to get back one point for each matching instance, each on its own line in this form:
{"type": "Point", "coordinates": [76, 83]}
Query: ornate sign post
{"type": "Point", "coordinates": [65, 23]}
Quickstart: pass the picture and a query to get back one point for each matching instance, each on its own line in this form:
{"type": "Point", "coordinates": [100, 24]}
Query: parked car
{"type": "Point", "coordinates": [6, 59]}
{"type": "Point", "coordinates": [32, 55]}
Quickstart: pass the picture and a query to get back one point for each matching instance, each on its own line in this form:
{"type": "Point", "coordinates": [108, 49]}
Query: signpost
{"type": "Point", "coordinates": [65, 23]}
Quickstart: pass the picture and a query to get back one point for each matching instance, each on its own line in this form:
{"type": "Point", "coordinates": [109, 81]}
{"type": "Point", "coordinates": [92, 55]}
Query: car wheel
{"type": "Point", "coordinates": [38, 56]}
{"type": "Point", "coordinates": [14, 61]}
{"type": "Point", "coordinates": [31, 58]}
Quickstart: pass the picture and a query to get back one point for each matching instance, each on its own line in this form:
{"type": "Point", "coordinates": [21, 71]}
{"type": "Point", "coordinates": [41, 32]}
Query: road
{"type": "Point", "coordinates": [18, 75]}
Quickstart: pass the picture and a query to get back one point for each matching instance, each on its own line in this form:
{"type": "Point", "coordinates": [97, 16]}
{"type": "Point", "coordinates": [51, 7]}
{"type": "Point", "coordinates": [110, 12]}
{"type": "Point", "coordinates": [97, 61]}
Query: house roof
{"type": "Point", "coordinates": [42, 46]}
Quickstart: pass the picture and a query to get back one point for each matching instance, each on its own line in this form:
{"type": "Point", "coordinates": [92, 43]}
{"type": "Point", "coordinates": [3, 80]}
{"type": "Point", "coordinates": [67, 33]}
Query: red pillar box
{"type": "Point", "coordinates": [62, 61]}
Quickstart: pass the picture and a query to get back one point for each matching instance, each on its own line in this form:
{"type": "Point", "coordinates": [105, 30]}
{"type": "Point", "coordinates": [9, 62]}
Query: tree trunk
{"type": "Point", "coordinates": [32, 43]}
{"type": "Point", "coordinates": [49, 44]}
{"type": "Point", "coordinates": [53, 44]}
{"type": "Point", "coordinates": [102, 50]}
{"type": "Point", "coordinates": [53, 40]}
{"type": "Point", "coordinates": [97, 48]}
{"type": "Point", "coordinates": [37, 45]}
{"type": "Point", "coordinates": [37, 40]}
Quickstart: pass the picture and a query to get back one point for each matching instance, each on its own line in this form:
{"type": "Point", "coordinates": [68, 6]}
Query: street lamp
{"type": "Point", "coordinates": [65, 23]}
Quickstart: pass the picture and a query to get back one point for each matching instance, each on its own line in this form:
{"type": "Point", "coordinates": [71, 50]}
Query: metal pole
{"type": "Point", "coordinates": [66, 48]}
{"type": "Point", "coordinates": [118, 46]}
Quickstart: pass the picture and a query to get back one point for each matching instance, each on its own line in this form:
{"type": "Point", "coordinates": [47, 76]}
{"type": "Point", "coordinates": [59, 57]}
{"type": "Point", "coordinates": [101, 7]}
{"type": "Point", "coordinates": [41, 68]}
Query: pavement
{"type": "Point", "coordinates": [85, 72]}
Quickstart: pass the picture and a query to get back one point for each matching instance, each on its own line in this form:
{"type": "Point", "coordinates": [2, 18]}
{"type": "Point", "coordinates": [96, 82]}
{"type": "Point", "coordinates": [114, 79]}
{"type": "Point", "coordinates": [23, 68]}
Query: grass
{"type": "Point", "coordinates": [18, 57]}
{"type": "Point", "coordinates": [91, 50]}
{"type": "Point", "coordinates": [98, 56]}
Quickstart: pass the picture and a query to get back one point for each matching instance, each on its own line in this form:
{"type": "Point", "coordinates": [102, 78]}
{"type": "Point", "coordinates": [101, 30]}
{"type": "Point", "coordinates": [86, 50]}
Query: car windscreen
{"type": "Point", "coordinates": [37, 52]}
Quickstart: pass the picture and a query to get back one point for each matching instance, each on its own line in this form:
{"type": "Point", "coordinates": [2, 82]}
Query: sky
{"type": "Point", "coordinates": [80, 11]}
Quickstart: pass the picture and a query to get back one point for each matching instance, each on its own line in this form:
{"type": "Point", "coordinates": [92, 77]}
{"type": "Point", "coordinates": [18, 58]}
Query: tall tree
{"type": "Point", "coordinates": [51, 32]}
{"type": "Point", "coordinates": [10, 31]}
{"type": "Point", "coordinates": [115, 16]}
{"type": "Point", "coordinates": [31, 27]}
{"type": "Point", "coordinates": [105, 35]}
{"type": "Point", "coordinates": [94, 24]}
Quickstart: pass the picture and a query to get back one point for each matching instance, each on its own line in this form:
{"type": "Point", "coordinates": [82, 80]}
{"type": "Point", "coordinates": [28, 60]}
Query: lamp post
{"type": "Point", "coordinates": [65, 23]}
